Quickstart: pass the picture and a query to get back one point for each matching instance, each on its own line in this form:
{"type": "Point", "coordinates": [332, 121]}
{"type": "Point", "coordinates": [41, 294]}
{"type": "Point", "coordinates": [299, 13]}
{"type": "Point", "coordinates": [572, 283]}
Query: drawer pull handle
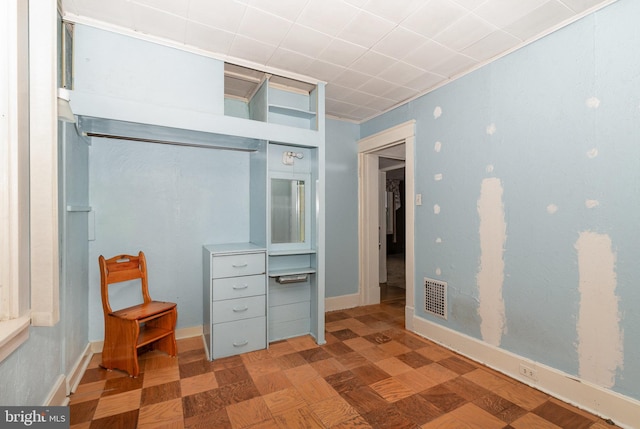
{"type": "Point", "coordinates": [239, 287]}
{"type": "Point", "coordinates": [240, 344]}
{"type": "Point", "coordinates": [240, 310]}
{"type": "Point", "coordinates": [239, 265]}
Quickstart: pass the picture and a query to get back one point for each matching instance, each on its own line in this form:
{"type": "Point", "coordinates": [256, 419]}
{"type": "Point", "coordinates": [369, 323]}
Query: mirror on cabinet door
{"type": "Point", "coordinates": [290, 203]}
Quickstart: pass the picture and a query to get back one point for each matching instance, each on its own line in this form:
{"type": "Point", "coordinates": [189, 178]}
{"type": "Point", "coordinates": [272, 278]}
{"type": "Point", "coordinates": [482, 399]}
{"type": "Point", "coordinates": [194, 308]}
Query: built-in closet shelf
{"type": "Point", "coordinates": [291, 111]}
{"type": "Point", "coordinates": [292, 252]}
{"type": "Point", "coordinates": [291, 271]}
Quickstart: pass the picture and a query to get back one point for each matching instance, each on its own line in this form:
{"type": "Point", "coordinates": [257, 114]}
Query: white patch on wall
{"type": "Point", "coordinates": [600, 340]}
{"type": "Point", "coordinates": [438, 240]}
{"type": "Point", "coordinates": [437, 177]}
{"type": "Point", "coordinates": [552, 208]}
{"type": "Point", "coordinates": [491, 129]}
{"type": "Point", "coordinates": [489, 168]}
{"type": "Point", "coordinates": [590, 204]}
{"type": "Point", "coordinates": [437, 112]}
{"type": "Point", "coordinates": [490, 278]}
{"type": "Point", "coordinates": [592, 153]}
{"type": "Point", "coordinates": [436, 209]}
{"type": "Point", "coordinates": [438, 271]}
{"type": "Point", "coordinates": [593, 102]}
{"type": "Point", "coordinates": [437, 147]}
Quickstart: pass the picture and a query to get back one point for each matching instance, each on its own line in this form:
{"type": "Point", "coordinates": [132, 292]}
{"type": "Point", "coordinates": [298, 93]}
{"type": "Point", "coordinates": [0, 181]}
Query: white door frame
{"type": "Point", "coordinates": [369, 287]}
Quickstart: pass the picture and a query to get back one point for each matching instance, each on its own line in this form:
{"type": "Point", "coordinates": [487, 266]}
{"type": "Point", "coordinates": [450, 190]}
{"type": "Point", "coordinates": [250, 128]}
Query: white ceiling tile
{"type": "Point", "coordinates": [323, 71]}
{"type": "Point", "coordinates": [581, 5]}
{"type": "Point", "coordinates": [251, 49]}
{"type": "Point", "coordinates": [380, 103]}
{"type": "Point", "coordinates": [306, 40]}
{"type": "Point", "coordinates": [464, 32]}
{"type": "Point", "coordinates": [148, 20]}
{"type": "Point", "coordinates": [400, 73]}
{"type": "Point", "coordinates": [366, 29]}
{"type": "Point", "coordinates": [454, 65]}
{"type": "Point", "coordinates": [425, 82]}
{"type": "Point", "coordinates": [339, 107]}
{"type": "Point", "coordinates": [351, 79]}
{"type": "Point", "coordinates": [363, 113]}
{"type": "Point", "coordinates": [117, 12]}
{"type": "Point", "coordinates": [399, 93]}
{"type": "Point", "coordinates": [336, 91]}
{"type": "Point", "coordinates": [208, 38]}
{"type": "Point", "coordinates": [395, 10]}
{"type": "Point", "coordinates": [504, 12]}
{"type": "Point", "coordinates": [341, 53]}
{"type": "Point", "coordinates": [399, 42]}
{"type": "Point", "coordinates": [540, 19]}
{"type": "Point", "coordinates": [492, 45]}
{"type": "Point", "coordinates": [263, 26]}
{"type": "Point", "coordinates": [289, 60]}
{"type": "Point", "coordinates": [328, 16]}
{"type": "Point", "coordinates": [179, 8]}
{"type": "Point", "coordinates": [433, 17]}
{"type": "Point", "coordinates": [374, 86]}
{"type": "Point", "coordinates": [371, 63]}
{"type": "Point", "coordinates": [286, 9]}
{"type": "Point", "coordinates": [223, 14]}
{"type": "Point", "coordinates": [469, 4]}
{"type": "Point", "coordinates": [428, 55]}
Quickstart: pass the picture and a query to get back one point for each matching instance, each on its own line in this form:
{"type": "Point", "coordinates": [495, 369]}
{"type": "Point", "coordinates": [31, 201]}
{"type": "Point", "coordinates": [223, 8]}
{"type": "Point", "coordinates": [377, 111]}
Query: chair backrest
{"type": "Point", "coordinates": [119, 269]}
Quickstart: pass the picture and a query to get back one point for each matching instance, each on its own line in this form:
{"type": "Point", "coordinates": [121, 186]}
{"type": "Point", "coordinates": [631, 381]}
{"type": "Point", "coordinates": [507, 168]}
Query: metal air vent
{"type": "Point", "coordinates": [435, 297]}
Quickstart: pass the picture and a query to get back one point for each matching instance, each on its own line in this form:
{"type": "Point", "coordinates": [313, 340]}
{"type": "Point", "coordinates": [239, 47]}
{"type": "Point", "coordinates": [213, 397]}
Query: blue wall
{"type": "Point", "coordinates": [341, 209]}
{"type": "Point", "coordinates": [167, 201]}
{"type": "Point", "coordinates": [553, 131]}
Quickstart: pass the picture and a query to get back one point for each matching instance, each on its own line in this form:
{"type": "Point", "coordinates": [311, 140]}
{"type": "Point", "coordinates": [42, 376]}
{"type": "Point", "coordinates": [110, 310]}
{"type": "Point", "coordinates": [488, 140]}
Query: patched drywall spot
{"type": "Point", "coordinates": [593, 102]}
{"type": "Point", "coordinates": [490, 278]}
{"type": "Point", "coordinates": [437, 147]}
{"type": "Point", "coordinates": [552, 208]}
{"type": "Point", "coordinates": [437, 177]}
{"type": "Point", "coordinates": [590, 204]}
{"type": "Point", "coordinates": [437, 112]}
{"type": "Point", "coordinates": [600, 339]}
{"type": "Point", "coordinates": [438, 271]}
{"type": "Point", "coordinates": [592, 153]}
{"type": "Point", "coordinates": [436, 209]}
{"type": "Point", "coordinates": [438, 240]}
{"type": "Point", "coordinates": [491, 129]}
{"type": "Point", "coordinates": [489, 168]}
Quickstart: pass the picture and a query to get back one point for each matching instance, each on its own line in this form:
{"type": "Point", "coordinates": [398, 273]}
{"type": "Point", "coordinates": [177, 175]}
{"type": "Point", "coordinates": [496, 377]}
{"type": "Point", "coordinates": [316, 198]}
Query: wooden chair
{"type": "Point", "coordinates": [125, 331]}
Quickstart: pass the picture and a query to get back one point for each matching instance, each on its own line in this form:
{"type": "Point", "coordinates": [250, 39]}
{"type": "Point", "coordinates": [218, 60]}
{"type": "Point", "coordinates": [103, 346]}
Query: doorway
{"type": "Point", "coordinates": [369, 153]}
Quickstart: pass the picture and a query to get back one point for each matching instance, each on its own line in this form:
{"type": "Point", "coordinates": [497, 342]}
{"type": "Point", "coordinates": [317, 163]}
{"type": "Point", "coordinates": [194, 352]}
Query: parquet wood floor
{"type": "Point", "coordinates": [372, 373]}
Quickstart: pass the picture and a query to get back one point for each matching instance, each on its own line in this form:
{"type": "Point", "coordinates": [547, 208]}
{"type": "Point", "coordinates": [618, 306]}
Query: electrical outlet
{"type": "Point", "coordinates": [528, 372]}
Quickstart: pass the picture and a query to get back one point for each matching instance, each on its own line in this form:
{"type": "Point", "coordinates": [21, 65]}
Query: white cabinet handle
{"type": "Point", "coordinates": [239, 265]}
{"type": "Point", "coordinates": [240, 344]}
{"type": "Point", "coordinates": [239, 287]}
{"type": "Point", "coordinates": [240, 310]}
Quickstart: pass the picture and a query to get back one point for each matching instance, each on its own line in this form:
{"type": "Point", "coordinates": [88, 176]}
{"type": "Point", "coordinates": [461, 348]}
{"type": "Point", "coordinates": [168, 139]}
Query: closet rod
{"type": "Point", "coordinates": [138, 139]}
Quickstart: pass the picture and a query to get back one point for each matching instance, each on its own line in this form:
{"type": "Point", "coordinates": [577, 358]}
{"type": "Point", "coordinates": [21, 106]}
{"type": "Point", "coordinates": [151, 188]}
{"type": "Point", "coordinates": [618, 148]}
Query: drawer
{"type": "Point", "coordinates": [244, 264]}
{"type": "Point", "coordinates": [237, 287]}
{"type": "Point", "coordinates": [236, 309]}
{"type": "Point", "coordinates": [237, 337]}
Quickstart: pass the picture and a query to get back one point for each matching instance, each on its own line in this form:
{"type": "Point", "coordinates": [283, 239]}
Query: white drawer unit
{"type": "Point", "coordinates": [234, 299]}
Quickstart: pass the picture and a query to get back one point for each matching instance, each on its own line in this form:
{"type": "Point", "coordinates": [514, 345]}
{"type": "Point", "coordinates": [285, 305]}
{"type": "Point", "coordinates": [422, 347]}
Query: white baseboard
{"type": "Point", "coordinates": [78, 369]}
{"type": "Point", "coordinates": [342, 302]}
{"type": "Point", "coordinates": [624, 411]}
{"type": "Point", "coordinates": [58, 394]}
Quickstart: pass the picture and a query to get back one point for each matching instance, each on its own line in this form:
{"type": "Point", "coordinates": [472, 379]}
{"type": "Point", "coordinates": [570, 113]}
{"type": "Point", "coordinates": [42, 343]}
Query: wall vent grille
{"type": "Point", "coordinates": [435, 297]}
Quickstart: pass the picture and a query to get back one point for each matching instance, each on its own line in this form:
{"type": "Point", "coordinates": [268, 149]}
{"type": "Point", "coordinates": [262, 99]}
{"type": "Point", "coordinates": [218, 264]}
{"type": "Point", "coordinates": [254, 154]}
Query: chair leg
{"type": "Point", "coordinates": [119, 350]}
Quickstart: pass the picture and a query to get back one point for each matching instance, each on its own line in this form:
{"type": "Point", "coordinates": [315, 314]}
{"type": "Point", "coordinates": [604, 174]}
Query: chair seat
{"type": "Point", "coordinates": [143, 311]}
